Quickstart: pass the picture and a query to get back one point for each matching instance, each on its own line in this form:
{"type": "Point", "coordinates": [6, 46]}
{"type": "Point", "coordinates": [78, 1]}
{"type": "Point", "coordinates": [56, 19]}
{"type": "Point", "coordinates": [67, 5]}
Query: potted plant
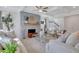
{"type": "Point", "coordinates": [10, 47]}
{"type": "Point", "coordinates": [8, 21]}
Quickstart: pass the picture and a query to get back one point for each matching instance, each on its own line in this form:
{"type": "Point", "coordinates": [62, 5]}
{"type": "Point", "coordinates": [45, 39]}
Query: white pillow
{"type": "Point", "coordinates": [73, 39]}
{"type": "Point", "coordinates": [77, 46]}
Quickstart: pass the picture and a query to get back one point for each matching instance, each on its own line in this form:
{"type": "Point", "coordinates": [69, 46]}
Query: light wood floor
{"type": "Point", "coordinates": [33, 46]}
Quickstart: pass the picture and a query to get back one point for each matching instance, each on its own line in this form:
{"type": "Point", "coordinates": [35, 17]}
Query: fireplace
{"type": "Point", "coordinates": [31, 33]}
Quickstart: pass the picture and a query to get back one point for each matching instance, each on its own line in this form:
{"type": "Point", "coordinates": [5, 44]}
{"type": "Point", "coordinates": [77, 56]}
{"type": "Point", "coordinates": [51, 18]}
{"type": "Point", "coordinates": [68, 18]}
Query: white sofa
{"type": "Point", "coordinates": [71, 44]}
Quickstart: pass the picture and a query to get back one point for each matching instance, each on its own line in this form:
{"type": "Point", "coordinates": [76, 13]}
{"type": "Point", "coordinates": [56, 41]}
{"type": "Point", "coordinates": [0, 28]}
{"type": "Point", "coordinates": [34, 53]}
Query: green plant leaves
{"type": "Point", "coordinates": [10, 47]}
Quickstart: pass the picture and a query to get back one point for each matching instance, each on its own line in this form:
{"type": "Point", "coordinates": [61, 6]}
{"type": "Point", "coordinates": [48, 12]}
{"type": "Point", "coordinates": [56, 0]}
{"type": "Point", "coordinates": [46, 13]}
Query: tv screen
{"type": "Point", "coordinates": [31, 31]}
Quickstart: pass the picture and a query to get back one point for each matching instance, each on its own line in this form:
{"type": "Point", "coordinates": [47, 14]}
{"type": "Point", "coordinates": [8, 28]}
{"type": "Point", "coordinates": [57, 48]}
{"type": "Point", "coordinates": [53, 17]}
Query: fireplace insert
{"type": "Point", "coordinates": [31, 31]}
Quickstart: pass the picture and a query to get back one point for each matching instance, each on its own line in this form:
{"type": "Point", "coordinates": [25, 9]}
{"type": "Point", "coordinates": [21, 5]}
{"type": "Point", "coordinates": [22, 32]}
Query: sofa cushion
{"type": "Point", "coordinates": [73, 39]}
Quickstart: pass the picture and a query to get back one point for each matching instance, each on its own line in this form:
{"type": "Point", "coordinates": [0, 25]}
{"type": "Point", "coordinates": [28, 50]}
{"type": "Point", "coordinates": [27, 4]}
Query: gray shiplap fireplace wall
{"type": "Point", "coordinates": [23, 17]}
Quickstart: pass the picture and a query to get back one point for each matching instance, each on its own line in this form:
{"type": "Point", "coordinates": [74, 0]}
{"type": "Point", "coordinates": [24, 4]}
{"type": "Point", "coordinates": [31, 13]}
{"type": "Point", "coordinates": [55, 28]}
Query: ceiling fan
{"type": "Point", "coordinates": [42, 8]}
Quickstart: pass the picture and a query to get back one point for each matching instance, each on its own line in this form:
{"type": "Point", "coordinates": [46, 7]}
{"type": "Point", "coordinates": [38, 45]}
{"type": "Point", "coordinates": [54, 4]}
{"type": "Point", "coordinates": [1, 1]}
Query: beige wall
{"type": "Point", "coordinates": [71, 23]}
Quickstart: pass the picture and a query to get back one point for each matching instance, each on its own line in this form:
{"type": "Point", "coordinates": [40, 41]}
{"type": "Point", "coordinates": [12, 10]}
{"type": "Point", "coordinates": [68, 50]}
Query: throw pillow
{"type": "Point", "coordinates": [64, 37]}
{"type": "Point", "coordinates": [77, 46]}
{"type": "Point", "coordinates": [73, 39]}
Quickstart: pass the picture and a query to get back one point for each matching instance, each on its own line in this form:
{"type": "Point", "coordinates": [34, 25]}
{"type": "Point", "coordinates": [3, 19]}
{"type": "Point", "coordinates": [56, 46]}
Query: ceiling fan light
{"type": "Point", "coordinates": [40, 11]}
{"type": "Point", "coordinates": [74, 6]}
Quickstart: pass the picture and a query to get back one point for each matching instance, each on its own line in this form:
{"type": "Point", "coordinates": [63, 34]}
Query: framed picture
{"type": "Point", "coordinates": [42, 22]}
{"type": "Point", "coordinates": [26, 19]}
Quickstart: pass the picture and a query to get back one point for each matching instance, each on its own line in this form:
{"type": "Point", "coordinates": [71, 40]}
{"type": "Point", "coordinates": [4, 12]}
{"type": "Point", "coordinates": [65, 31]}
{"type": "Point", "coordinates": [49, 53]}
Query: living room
{"type": "Point", "coordinates": [40, 29]}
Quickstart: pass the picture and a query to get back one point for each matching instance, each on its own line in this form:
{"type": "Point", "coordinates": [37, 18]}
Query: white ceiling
{"type": "Point", "coordinates": [52, 10]}
{"type": "Point", "coordinates": [58, 10]}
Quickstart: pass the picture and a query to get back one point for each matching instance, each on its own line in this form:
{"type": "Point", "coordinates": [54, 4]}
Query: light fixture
{"type": "Point", "coordinates": [40, 10]}
{"type": "Point", "coordinates": [74, 6]}
{"type": "Point", "coordinates": [5, 6]}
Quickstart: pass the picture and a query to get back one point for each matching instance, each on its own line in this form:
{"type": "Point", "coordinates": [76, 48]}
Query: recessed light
{"type": "Point", "coordinates": [5, 6]}
{"type": "Point", "coordinates": [74, 6]}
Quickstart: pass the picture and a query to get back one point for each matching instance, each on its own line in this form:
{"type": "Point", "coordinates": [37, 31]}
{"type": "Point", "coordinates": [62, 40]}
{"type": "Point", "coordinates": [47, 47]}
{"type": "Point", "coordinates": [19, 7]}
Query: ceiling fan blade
{"type": "Point", "coordinates": [39, 7]}
{"type": "Point", "coordinates": [45, 8]}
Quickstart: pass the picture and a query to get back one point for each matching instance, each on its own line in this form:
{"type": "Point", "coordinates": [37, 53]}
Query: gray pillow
{"type": "Point", "coordinates": [64, 37]}
{"type": "Point", "coordinates": [77, 46]}
{"type": "Point", "coordinates": [72, 40]}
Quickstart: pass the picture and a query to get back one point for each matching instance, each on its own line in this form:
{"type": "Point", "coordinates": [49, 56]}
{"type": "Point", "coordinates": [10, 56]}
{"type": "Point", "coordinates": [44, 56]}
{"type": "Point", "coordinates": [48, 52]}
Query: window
{"type": "Point", "coordinates": [1, 27]}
